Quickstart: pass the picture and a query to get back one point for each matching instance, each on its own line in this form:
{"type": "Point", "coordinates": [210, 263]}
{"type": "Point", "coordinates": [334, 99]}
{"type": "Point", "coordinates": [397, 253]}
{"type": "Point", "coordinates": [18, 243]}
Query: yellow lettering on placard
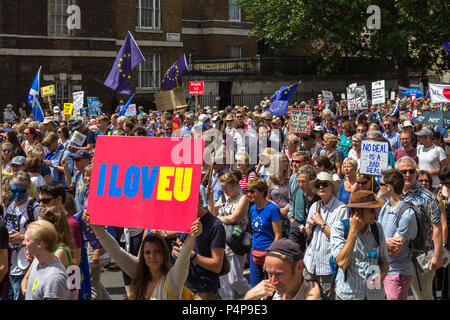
{"type": "Point", "coordinates": [164, 183]}
{"type": "Point", "coordinates": [182, 188]}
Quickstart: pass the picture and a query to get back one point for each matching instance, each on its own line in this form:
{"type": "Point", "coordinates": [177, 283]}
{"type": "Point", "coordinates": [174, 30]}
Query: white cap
{"type": "Point", "coordinates": [407, 123]}
{"type": "Point", "coordinates": [203, 118]}
{"type": "Point", "coordinates": [56, 109]}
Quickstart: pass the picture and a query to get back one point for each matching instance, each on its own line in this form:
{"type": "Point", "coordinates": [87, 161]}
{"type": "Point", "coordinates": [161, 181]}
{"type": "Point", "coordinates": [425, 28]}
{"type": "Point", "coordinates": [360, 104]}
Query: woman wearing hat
{"type": "Point", "coordinates": [322, 215]}
{"type": "Point", "coordinates": [351, 252]}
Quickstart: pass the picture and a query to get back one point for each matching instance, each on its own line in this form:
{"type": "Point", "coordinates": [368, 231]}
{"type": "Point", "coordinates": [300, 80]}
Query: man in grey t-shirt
{"type": "Point", "coordinates": [47, 278]}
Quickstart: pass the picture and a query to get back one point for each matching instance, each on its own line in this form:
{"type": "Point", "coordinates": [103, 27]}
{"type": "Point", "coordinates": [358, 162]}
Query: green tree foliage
{"type": "Point", "coordinates": [410, 37]}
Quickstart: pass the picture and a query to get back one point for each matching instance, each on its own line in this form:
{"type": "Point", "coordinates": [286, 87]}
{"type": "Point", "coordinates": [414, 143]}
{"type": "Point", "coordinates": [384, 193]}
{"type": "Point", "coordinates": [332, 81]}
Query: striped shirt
{"type": "Point", "coordinates": [318, 253]}
{"type": "Point", "coordinates": [354, 286]}
{"type": "Point", "coordinates": [247, 177]}
{"type": "Point", "coordinates": [421, 197]}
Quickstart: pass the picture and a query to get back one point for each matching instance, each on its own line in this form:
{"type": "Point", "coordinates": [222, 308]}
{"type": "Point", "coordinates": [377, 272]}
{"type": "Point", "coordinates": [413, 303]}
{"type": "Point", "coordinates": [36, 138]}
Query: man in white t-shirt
{"type": "Point", "coordinates": [431, 157]}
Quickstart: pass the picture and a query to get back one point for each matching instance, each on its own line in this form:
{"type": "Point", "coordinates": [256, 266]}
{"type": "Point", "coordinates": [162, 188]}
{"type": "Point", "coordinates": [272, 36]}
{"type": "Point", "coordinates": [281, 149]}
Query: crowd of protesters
{"type": "Point", "coordinates": [299, 196]}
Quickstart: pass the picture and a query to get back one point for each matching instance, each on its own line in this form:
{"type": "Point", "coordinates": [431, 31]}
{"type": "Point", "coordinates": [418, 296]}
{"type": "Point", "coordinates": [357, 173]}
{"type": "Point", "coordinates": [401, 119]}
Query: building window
{"type": "Point", "coordinates": [63, 93]}
{"type": "Point", "coordinates": [148, 14]}
{"type": "Point", "coordinates": [149, 72]}
{"type": "Point", "coordinates": [58, 17]}
{"type": "Point", "coordinates": [236, 52]}
{"type": "Point", "coordinates": [234, 11]}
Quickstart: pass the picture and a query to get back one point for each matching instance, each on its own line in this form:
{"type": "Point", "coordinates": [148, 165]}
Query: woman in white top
{"type": "Point", "coordinates": [231, 209]}
{"type": "Point", "coordinates": [355, 152]}
{"type": "Point", "coordinates": [33, 167]}
{"type": "Point", "coordinates": [151, 268]}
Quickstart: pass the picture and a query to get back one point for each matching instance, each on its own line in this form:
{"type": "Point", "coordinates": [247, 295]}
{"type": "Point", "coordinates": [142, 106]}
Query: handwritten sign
{"type": "Point", "coordinates": [48, 91]}
{"type": "Point", "coordinates": [300, 121]}
{"type": "Point", "coordinates": [378, 94]}
{"type": "Point", "coordinates": [78, 97]}
{"type": "Point", "coordinates": [68, 107]}
{"type": "Point", "coordinates": [134, 186]}
{"type": "Point", "coordinates": [374, 157]}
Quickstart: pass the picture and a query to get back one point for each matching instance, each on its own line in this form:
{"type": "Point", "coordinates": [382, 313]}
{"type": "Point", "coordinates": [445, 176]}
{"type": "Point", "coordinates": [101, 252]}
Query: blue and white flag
{"type": "Point", "coordinates": [396, 110]}
{"type": "Point", "coordinates": [401, 91]}
{"type": "Point", "coordinates": [33, 100]}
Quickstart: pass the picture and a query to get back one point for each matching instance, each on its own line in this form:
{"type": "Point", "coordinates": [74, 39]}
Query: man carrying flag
{"type": "Point", "coordinates": [33, 100]}
{"type": "Point", "coordinates": [127, 59]}
{"type": "Point", "coordinates": [175, 72]}
{"type": "Point", "coordinates": [279, 100]}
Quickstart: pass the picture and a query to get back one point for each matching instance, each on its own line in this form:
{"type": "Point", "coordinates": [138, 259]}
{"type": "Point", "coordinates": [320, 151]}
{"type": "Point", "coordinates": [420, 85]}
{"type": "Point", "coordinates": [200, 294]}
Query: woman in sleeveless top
{"type": "Point", "coordinates": [232, 209]}
{"type": "Point", "coordinates": [278, 183]}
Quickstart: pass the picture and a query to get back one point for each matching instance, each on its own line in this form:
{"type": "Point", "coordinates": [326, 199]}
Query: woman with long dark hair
{"type": "Point", "coordinates": [151, 271]}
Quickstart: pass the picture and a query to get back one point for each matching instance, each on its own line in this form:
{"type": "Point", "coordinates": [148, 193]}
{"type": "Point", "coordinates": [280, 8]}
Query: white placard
{"type": "Point", "coordinates": [77, 138]}
{"type": "Point", "coordinates": [327, 97]}
{"type": "Point", "coordinates": [393, 95]}
{"type": "Point", "coordinates": [378, 96]}
{"type": "Point", "coordinates": [374, 157]}
{"type": "Point", "coordinates": [356, 97]}
{"type": "Point", "coordinates": [78, 98]}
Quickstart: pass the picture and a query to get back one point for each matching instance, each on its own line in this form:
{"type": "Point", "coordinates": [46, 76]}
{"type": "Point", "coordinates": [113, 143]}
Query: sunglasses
{"type": "Point", "coordinates": [319, 184]}
{"type": "Point", "coordinates": [411, 171]}
{"type": "Point", "coordinates": [45, 200]}
{"type": "Point", "coordinates": [382, 184]}
{"type": "Point", "coordinates": [297, 161]}
{"type": "Point", "coordinates": [362, 182]}
{"type": "Point", "coordinates": [424, 181]}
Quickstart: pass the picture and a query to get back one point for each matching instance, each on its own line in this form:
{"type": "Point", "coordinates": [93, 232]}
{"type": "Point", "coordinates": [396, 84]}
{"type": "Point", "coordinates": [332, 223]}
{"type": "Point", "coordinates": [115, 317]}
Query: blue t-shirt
{"type": "Point", "coordinates": [343, 195]}
{"type": "Point", "coordinates": [263, 234]}
{"type": "Point", "coordinates": [213, 236]}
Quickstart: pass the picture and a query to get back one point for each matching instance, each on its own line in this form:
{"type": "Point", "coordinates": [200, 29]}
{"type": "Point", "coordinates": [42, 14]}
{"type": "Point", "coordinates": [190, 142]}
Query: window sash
{"type": "Point", "coordinates": [236, 52]}
{"type": "Point", "coordinates": [58, 17]}
{"type": "Point", "coordinates": [234, 11]}
{"type": "Point", "coordinates": [148, 14]}
{"type": "Point", "coordinates": [149, 72]}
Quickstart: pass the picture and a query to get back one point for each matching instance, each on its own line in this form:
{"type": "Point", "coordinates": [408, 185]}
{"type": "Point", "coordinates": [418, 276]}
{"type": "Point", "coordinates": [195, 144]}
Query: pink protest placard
{"type": "Point", "coordinates": [146, 182]}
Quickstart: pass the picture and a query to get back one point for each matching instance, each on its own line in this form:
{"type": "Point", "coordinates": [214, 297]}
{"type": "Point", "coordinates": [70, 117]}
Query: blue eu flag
{"type": "Point", "coordinates": [279, 100]}
{"type": "Point", "coordinates": [175, 72]}
{"type": "Point", "coordinates": [127, 59]}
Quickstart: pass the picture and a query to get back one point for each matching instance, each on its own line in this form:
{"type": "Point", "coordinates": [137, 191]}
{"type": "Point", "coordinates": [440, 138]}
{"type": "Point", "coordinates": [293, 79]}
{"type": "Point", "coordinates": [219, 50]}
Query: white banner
{"type": "Point", "coordinates": [356, 97]}
{"type": "Point", "coordinates": [78, 98]}
{"type": "Point", "coordinates": [378, 94]}
{"type": "Point", "coordinates": [439, 92]}
{"type": "Point", "coordinates": [327, 97]}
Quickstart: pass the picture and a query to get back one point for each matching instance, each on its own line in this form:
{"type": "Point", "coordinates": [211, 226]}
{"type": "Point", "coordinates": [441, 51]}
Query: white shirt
{"type": "Point", "coordinates": [429, 159]}
{"type": "Point", "coordinates": [318, 253]}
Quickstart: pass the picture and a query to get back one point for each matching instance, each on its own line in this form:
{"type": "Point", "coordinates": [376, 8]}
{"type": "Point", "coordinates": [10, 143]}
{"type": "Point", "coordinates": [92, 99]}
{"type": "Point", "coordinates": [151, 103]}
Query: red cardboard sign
{"type": "Point", "coordinates": [196, 88]}
{"type": "Point", "coordinates": [143, 182]}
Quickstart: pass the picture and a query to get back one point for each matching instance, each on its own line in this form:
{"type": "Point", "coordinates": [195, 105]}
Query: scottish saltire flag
{"type": "Point", "coordinates": [33, 100]}
{"type": "Point", "coordinates": [279, 100]}
{"type": "Point", "coordinates": [127, 59]}
{"type": "Point", "coordinates": [396, 110]}
{"type": "Point", "coordinates": [125, 106]}
{"type": "Point", "coordinates": [175, 72]}
{"type": "Point", "coordinates": [446, 46]}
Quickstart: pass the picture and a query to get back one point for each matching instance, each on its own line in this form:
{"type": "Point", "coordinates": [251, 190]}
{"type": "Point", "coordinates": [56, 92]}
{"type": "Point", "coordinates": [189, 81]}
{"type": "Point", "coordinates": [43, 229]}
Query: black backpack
{"type": "Point", "coordinates": [423, 226]}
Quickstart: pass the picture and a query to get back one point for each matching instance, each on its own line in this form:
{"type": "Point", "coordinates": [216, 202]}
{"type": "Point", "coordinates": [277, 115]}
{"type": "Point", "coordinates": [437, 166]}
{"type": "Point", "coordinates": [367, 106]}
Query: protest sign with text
{"type": "Point", "coordinates": [140, 188]}
{"type": "Point", "coordinates": [300, 121]}
{"type": "Point", "coordinates": [374, 157]}
{"type": "Point", "coordinates": [93, 106]}
{"type": "Point", "coordinates": [378, 94]}
{"type": "Point", "coordinates": [78, 97]}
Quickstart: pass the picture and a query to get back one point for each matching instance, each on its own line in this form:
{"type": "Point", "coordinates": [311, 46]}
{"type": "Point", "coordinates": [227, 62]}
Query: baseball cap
{"type": "Point", "coordinates": [285, 249]}
{"type": "Point", "coordinates": [424, 132]}
{"type": "Point", "coordinates": [81, 154]}
{"type": "Point", "coordinates": [77, 124]}
{"type": "Point", "coordinates": [203, 118]}
{"type": "Point", "coordinates": [19, 161]}
{"type": "Point", "coordinates": [407, 123]}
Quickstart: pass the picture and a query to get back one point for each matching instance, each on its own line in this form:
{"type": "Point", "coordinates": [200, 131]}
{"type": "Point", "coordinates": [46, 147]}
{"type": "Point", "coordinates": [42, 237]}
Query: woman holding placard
{"type": "Point", "coordinates": [150, 270]}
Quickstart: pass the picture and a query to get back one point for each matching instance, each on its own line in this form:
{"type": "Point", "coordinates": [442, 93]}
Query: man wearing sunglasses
{"type": "Point", "coordinates": [425, 200]}
{"type": "Point", "coordinates": [322, 215]}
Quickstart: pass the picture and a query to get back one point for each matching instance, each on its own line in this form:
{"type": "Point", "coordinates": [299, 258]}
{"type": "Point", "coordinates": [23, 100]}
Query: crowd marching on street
{"type": "Point", "coordinates": [310, 224]}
